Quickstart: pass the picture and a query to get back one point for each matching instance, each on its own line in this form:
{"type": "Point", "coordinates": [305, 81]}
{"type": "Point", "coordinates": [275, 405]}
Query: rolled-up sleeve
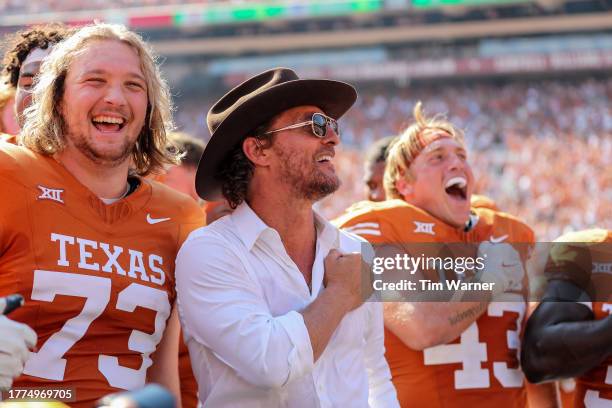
{"type": "Point", "coordinates": [223, 309]}
{"type": "Point", "coordinates": [382, 392]}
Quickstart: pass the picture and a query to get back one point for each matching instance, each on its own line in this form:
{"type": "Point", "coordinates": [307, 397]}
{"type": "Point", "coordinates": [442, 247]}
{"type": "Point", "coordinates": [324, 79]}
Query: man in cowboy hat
{"type": "Point", "coordinates": [270, 296]}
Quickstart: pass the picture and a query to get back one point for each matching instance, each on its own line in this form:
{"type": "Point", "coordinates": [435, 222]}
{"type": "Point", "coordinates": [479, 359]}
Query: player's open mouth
{"type": "Point", "coordinates": [106, 123]}
{"type": "Point", "coordinates": [456, 187]}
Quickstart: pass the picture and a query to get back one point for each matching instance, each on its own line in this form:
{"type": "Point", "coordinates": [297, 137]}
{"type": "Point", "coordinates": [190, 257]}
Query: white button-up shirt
{"type": "Point", "coordinates": [239, 297]}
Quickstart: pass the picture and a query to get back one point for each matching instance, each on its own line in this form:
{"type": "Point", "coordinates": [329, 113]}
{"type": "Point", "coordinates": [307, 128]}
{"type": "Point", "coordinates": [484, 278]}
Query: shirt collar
{"type": "Point", "coordinates": [251, 227]}
{"type": "Point", "coordinates": [327, 234]}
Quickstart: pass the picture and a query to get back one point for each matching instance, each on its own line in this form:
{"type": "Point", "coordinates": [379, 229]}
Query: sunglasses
{"type": "Point", "coordinates": [318, 123]}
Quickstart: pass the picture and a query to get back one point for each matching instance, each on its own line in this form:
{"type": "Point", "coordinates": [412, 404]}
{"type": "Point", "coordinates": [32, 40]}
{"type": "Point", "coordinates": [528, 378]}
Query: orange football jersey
{"type": "Point", "coordinates": [481, 367]}
{"type": "Point", "coordinates": [593, 389]}
{"type": "Point", "coordinates": [98, 280]}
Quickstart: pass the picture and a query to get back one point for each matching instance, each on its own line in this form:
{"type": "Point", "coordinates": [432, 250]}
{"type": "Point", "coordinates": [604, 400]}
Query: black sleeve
{"type": "Point", "coordinates": [561, 339]}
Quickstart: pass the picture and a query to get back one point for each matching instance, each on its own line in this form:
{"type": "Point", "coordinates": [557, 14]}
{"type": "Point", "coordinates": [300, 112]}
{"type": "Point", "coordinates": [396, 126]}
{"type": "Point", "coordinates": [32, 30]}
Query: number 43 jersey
{"type": "Point", "coordinates": [98, 280]}
{"type": "Point", "coordinates": [481, 367]}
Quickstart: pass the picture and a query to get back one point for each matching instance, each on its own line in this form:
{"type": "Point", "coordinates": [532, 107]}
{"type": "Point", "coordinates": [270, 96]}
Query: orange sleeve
{"type": "Point", "coordinates": [364, 222]}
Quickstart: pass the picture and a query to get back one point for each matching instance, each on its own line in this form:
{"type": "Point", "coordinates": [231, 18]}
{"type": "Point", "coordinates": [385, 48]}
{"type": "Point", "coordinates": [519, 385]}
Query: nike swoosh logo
{"type": "Point", "coordinates": [498, 239]}
{"type": "Point", "coordinates": [152, 220]}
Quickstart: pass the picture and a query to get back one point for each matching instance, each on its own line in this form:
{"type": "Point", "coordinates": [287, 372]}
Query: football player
{"type": "Point", "coordinates": [375, 168]}
{"type": "Point", "coordinates": [448, 354]}
{"type": "Point", "coordinates": [570, 332]}
{"type": "Point", "coordinates": [26, 51]}
{"type": "Point", "coordinates": [88, 241]}
{"type": "Point", "coordinates": [375, 159]}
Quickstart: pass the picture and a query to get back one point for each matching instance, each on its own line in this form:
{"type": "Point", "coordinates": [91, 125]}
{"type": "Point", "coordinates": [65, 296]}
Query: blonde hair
{"type": "Point", "coordinates": [411, 142]}
{"type": "Point", "coordinates": [6, 95]}
{"type": "Point", "coordinates": [45, 129]}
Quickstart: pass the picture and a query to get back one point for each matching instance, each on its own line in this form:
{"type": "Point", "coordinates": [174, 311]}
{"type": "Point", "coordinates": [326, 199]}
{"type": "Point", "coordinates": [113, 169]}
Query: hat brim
{"type": "Point", "coordinates": [334, 98]}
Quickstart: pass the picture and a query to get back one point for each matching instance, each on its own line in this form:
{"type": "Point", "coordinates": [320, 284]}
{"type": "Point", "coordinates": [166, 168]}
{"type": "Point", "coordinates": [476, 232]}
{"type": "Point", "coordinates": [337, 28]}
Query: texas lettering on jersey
{"type": "Point", "coordinates": [481, 367]}
{"type": "Point", "coordinates": [585, 259]}
{"type": "Point", "coordinates": [143, 267]}
{"type": "Point", "coordinates": [98, 280]}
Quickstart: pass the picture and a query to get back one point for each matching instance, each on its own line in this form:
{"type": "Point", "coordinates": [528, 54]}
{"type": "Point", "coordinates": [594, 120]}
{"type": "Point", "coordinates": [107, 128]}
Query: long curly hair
{"type": "Point", "coordinates": [23, 42]}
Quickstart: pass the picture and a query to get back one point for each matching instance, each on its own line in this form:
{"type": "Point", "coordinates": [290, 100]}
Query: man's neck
{"type": "Point", "coordinates": [293, 219]}
{"type": "Point", "coordinates": [103, 181]}
{"type": "Point", "coordinates": [437, 217]}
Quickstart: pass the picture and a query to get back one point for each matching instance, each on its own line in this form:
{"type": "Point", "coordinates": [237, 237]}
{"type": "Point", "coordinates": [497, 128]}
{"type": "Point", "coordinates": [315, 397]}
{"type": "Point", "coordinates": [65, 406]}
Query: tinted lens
{"type": "Point", "coordinates": [334, 126]}
{"type": "Point", "coordinates": [319, 125]}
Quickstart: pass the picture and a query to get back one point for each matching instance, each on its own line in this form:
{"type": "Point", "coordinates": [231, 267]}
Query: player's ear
{"type": "Point", "coordinates": [404, 187]}
{"type": "Point", "coordinates": [255, 151]}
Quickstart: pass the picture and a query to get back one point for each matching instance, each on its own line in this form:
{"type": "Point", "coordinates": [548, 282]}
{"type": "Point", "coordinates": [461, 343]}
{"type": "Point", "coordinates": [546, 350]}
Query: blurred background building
{"type": "Point", "coordinates": [528, 80]}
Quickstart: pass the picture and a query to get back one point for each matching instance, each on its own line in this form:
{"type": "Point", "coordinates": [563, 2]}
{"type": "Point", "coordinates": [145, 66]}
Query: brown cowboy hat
{"type": "Point", "coordinates": [253, 103]}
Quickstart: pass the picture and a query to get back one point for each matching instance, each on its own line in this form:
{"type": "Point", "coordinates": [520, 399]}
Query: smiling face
{"type": "Point", "coordinates": [440, 181]}
{"type": "Point", "coordinates": [104, 102]}
{"type": "Point", "coordinates": [301, 161]}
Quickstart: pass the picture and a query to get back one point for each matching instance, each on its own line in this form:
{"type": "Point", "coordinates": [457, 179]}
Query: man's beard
{"type": "Point", "coordinates": [302, 175]}
{"type": "Point", "coordinates": [103, 158]}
